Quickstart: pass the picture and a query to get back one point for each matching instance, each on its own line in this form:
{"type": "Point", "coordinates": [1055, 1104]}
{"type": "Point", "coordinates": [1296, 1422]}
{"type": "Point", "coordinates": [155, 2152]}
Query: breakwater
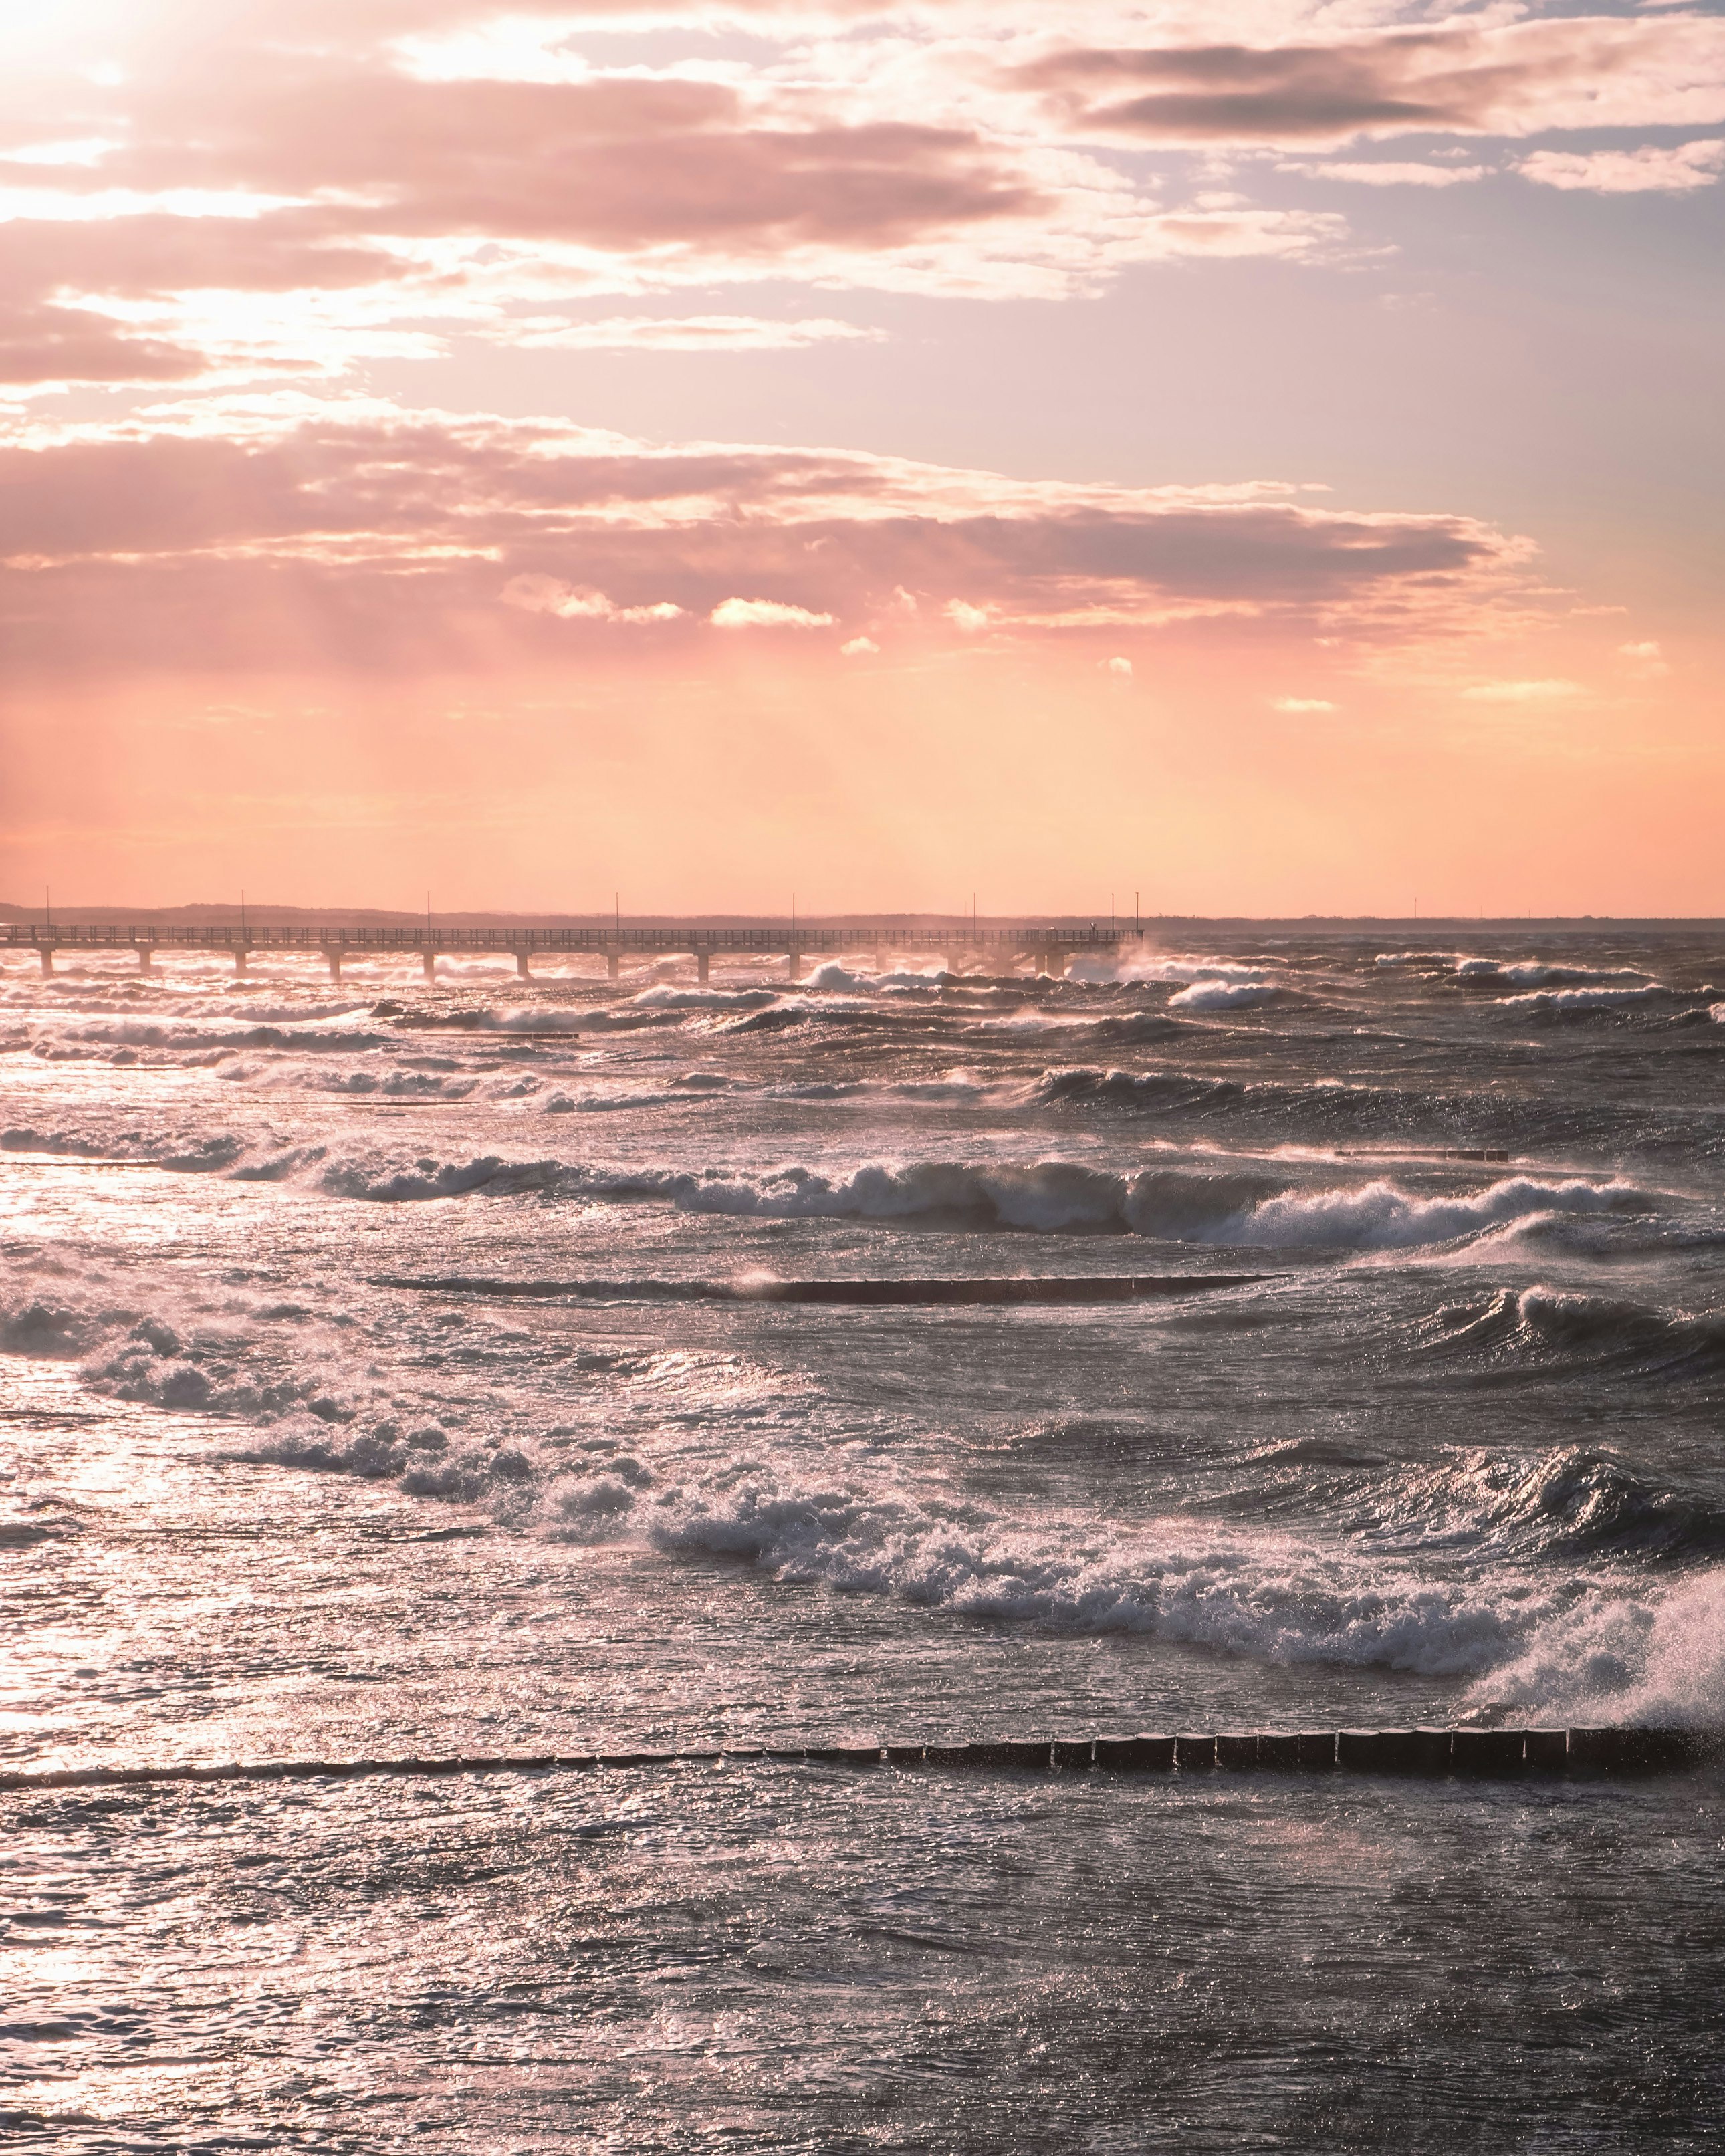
{"type": "Point", "coordinates": [1468, 1754]}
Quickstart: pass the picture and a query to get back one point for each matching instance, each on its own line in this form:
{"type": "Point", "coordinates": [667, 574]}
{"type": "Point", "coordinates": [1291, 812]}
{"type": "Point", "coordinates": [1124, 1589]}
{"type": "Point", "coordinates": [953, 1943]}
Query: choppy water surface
{"type": "Point", "coordinates": [1457, 1458]}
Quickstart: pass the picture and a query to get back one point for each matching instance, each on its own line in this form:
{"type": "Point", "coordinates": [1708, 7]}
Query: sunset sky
{"type": "Point", "coordinates": [1265, 455]}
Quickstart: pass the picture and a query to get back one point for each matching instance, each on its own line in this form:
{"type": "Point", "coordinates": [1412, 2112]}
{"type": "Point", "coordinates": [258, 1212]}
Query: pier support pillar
{"type": "Point", "coordinates": [428, 959]}
{"type": "Point", "coordinates": [335, 965]}
{"type": "Point", "coordinates": [521, 965]}
{"type": "Point", "coordinates": [614, 965]}
{"type": "Point", "coordinates": [146, 958]}
{"type": "Point", "coordinates": [703, 966]}
{"type": "Point", "coordinates": [47, 950]}
{"type": "Point", "coordinates": [240, 957]}
{"type": "Point", "coordinates": [793, 964]}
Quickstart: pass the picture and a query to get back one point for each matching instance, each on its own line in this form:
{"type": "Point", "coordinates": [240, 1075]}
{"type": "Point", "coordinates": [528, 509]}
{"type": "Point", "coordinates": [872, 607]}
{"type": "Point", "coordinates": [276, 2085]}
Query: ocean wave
{"type": "Point", "coordinates": [398, 1084]}
{"type": "Point", "coordinates": [1571, 1501]}
{"type": "Point", "coordinates": [1651, 1660]}
{"type": "Point", "coordinates": [1149, 968]}
{"type": "Point", "coordinates": [671, 1454]}
{"type": "Point", "coordinates": [1051, 1196]}
{"type": "Point", "coordinates": [1544, 1327]}
{"type": "Point", "coordinates": [668, 996]}
{"type": "Point", "coordinates": [429, 1178]}
{"type": "Point", "coordinates": [539, 1019]}
{"type": "Point", "coordinates": [1090, 1086]}
{"type": "Point", "coordinates": [1332, 1112]}
{"type": "Point", "coordinates": [1128, 1028]}
{"type": "Point", "coordinates": [1271, 1598]}
{"type": "Point", "coordinates": [179, 1034]}
{"type": "Point", "coordinates": [787, 1012]}
{"type": "Point", "coordinates": [1542, 972]}
{"type": "Point", "coordinates": [1380, 1216]}
{"type": "Point", "coordinates": [197, 1152]}
{"type": "Point", "coordinates": [26, 1138]}
{"type": "Point", "coordinates": [1568, 1003]}
{"type": "Point", "coordinates": [1224, 995]}
{"type": "Point", "coordinates": [607, 1100]}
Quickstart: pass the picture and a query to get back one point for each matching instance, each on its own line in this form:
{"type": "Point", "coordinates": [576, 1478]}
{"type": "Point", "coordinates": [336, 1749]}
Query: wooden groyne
{"type": "Point", "coordinates": [1436, 1754]}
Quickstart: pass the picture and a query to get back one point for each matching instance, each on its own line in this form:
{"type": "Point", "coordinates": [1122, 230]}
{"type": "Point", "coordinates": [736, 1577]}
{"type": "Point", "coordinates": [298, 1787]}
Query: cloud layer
{"type": "Point", "coordinates": [196, 194]}
{"type": "Point", "coordinates": [1513, 79]}
{"type": "Point", "coordinates": [370, 537]}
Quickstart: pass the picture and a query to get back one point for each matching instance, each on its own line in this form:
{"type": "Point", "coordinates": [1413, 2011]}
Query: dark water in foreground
{"type": "Point", "coordinates": [1459, 1460]}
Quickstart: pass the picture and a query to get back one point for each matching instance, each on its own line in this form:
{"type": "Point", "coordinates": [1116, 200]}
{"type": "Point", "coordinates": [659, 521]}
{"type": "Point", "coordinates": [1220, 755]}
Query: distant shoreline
{"type": "Point", "coordinates": [1154, 925]}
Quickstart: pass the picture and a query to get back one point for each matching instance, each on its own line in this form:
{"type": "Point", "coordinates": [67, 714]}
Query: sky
{"type": "Point", "coordinates": [1264, 457]}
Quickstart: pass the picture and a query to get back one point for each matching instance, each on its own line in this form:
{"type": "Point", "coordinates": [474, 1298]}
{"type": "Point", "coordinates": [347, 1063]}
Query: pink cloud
{"type": "Point", "coordinates": [540, 594]}
{"type": "Point", "coordinates": [1512, 78]}
{"type": "Point", "coordinates": [766, 613]}
{"type": "Point", "coordinates": [377, 538]}
{"type": "Point", "coordinates": [1390, 175]}
{"type": "Point", "coordinates": [73, 283]}
{"type": "Point", "coordinates": [40, 341]}
{"type": "Point", "coordinates": [617, 161]}
{"type": "Point", "coordinates": [1652, 169]}
{"type": "Point", "coordinates": [251, 151]}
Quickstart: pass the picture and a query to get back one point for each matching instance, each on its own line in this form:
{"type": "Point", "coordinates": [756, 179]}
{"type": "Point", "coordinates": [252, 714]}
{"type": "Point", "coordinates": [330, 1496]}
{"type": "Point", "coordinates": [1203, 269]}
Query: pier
{"type": "Point", "coordinates": [1047, 949]}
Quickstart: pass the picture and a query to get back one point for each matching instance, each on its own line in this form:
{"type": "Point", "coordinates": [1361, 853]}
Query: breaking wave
{"type": "Point", "coordinates": [1051, 1196]}
{"type": "Point", "coordinates": [1540, 973]}
{"type": "Point", "coordinates": [666, 996]}
{"type": "Point", "coordinates": [1544, 1327]}
{"type": "Point", "coordinates": [1594, 1646]}
{"type": "Point", "coordinates": [1566, 1003]}
{"type": "Point", "coordinates": [1224, 995]}
{"type": "Point", "coordinates": [187, 1034]}
{"type": "Point", "coordinates": [1270, 1599]}
{"type": "Point", "coordinates": [1654, 1660]}
{"type": "Point", "coordinates": [1571, 1501]}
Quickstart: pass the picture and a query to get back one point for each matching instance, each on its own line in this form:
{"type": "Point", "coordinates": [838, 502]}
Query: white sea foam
{"type": "Point", "coordinates": [1052, 1196]}
{"type": "Point", "coordinates": [833, 975]}
{"type": "Point", "coordinates": [680, 1451]}
{"type": "Point", "coordinates": [181, 1035]}
{"type": "Point", "coordinates": [667, 995]}
{"type": "Point", "coordinates": [602, 1100]}
{"type": "Point", "coordinates": [1224, 995]}
{"type": "Point", "coordinates": [1543, 973]}
{"type": "Point", "coordinates": [1654, 1656]}
{"type": "Point", "coordinates": [1379, 1216]}
{"type": "Point", "coordinates": [560, 1018]}
{"type": "Point", "coordinates": [235, 1070]}
{"type": "Point", "coordinates": [1561, 1000]}
{"type": "Point", "coordinates": [1266, 1596]}
{"type": "Point", "coordinates": [1147, 968]}
{"type": "Point", "coordinates": [1030, 1023]}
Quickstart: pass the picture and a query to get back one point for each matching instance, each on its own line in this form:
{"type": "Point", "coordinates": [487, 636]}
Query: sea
{"type": "Point", "coordinates": [378, 1381]}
